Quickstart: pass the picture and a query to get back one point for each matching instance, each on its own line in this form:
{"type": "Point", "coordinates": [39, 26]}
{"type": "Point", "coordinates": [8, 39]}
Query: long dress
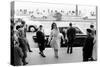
{"type": "Point", "coordinates": [55, 39]}
{"type": "Point", "coordinates": [94, 55]}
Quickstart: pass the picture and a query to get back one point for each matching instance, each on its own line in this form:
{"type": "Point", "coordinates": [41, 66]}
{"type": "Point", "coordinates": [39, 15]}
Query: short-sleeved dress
{"type": "Point", "coordinates": [55, 38]}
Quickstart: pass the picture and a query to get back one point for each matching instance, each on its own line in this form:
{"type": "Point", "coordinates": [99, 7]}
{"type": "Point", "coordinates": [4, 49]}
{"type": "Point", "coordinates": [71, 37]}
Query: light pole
{"type": "Point", "coordinates": [76, 10]}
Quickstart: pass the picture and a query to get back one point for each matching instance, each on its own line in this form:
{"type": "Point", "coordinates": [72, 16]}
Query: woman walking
{"type": "Point", "coordinates": [94, 54]}
{"type": "Point", "coordinates": [55, 39]}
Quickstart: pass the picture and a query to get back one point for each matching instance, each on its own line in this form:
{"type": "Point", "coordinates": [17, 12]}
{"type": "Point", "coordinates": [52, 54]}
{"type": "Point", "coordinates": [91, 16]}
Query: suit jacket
{"type": "Point", "coordinates": [71, 32]}
{"type": "Point", "coordinates": [40, 37]}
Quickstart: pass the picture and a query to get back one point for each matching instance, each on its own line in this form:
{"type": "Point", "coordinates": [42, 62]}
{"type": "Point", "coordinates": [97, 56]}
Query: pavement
{"type": "Point", "coordinates": [34, 58]}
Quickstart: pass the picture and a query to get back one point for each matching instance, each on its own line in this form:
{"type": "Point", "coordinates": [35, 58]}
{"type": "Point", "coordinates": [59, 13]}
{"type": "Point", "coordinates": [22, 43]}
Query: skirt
{"type": "Point", "coordinates": [55, 43]}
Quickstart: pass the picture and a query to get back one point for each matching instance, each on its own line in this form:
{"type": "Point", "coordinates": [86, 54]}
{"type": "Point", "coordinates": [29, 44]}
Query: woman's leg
{"type": "Point", "coordinates": [56, 53]}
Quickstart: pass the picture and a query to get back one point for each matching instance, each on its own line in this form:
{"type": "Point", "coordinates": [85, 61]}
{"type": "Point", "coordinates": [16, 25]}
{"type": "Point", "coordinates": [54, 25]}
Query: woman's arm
{"type": "Point", "coordinates": [63, 38]}
{"type": "Point", "coordinates": [50, 37]}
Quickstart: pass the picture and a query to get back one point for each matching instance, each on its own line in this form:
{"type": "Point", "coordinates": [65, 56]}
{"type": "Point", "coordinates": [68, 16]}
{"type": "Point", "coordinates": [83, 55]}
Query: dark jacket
{"type": "Point", "coordinates": [71, 32]}
{"type": "Point", "coordinates": [40, 37]}
{"type": "Point", "coordinates": [88, 47]}
{"type": "Point", "coordinates": [23, 44]}
{"type": "Point", "coordinates": [18, 54]}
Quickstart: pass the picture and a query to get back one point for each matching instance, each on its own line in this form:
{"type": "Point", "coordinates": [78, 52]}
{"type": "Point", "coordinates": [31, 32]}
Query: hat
{"type": "Point", "coordinates": [89, 30]}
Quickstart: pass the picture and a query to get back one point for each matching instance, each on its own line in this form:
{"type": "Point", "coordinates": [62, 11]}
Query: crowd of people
{"type": "Point", "coordinates": [20, 45]}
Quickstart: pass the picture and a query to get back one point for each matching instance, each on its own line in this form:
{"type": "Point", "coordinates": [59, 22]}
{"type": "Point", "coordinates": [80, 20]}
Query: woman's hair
{"type": "Point", "coordinates": [89, 30]}
{"type": "Point", "coordinates": [52, 26]}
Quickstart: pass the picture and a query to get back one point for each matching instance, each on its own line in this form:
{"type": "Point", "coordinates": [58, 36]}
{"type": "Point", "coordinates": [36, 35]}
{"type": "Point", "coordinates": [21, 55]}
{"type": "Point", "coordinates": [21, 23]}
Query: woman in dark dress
{"type": "Point", "coordinates": [88, 46]}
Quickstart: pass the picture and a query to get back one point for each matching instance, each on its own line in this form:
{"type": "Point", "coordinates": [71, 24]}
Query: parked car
{"type": "Point", "coordinates": [79, 39]}
{"type": "Point", "coordinates": [32, 28]}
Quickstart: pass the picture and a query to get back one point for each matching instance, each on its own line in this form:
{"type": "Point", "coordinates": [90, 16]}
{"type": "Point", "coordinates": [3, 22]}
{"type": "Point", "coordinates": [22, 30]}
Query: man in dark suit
{"type": "Point", "coordinates": [88, 46]}
{"type": "Point", "coordinates": [41, 40]}
{"type": "Point", "coordinates": [71, 32]}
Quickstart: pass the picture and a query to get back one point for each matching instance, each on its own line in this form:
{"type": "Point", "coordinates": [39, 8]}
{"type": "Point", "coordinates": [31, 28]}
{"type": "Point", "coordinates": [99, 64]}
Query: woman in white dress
{"type": "Point", "coordinates": [55, 39]}
{"type": "Point", "coordinates": [94, 54]}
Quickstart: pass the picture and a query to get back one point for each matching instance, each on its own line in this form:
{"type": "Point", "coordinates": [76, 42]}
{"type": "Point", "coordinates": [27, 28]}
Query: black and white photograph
{"type": "Point", "coordinates": [52, 33]}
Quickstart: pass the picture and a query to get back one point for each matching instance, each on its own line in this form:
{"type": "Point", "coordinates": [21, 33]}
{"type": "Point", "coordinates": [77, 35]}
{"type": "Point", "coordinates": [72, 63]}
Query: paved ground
{"type": "Point", "coordinates": [34, 58]}
{"type": "Point", "coordinates": [31, 42]}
